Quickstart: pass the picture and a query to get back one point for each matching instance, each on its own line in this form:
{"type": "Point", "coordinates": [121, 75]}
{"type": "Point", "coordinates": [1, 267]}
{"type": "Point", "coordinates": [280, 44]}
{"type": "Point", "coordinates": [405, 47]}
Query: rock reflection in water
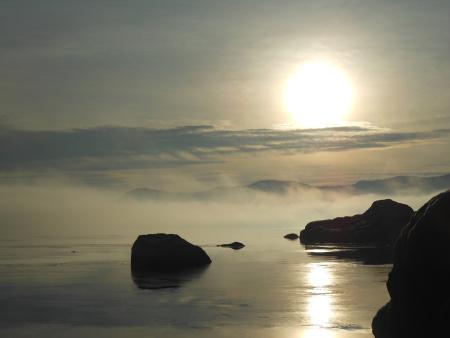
{"type": "Point", "coordinates": [369, 255]}
{"type": "Point", "coordinates": [164, 280]}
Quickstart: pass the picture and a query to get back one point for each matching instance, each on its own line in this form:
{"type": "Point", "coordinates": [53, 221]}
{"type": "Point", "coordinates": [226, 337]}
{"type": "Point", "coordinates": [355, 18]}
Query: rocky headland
{"type": "Point", "coordinates": [420, 278]}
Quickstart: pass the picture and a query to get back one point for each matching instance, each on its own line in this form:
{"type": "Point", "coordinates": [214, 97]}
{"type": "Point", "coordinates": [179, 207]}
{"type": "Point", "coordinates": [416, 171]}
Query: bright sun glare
{"type": "Point", "coordinates": [318, 95]}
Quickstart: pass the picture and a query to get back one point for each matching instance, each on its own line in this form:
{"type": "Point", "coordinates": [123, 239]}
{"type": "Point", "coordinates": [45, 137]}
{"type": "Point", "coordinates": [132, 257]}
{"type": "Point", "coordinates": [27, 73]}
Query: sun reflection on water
{"type": "Point", "coordinates": [319, 275]}
{"type": "Point", "coordinates": [320, 301]}
{"type": "Point", "coordinates": [319, 309]}
{"type": "Point", "coordinates": [317, 333]}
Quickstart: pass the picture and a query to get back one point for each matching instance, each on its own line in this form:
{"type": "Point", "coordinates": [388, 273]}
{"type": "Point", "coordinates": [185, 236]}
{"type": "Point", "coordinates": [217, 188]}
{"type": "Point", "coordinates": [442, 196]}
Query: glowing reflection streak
{"type": "Point", "coordinates": [320, 302]}
{"type": "Point", "coordinates": [316, 333]}
{"type": "Point", "coordinates": [319, 309]}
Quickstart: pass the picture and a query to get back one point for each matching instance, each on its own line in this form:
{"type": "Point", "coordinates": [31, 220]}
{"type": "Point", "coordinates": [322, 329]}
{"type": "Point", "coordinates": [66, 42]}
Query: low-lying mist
{"type": "Point", "coordinates": [67, 211]}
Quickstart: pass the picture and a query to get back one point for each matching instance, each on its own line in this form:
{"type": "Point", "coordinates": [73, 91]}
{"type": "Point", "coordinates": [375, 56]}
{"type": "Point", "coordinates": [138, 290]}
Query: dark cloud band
{"type": "Point", "coordinates": [112, 148]}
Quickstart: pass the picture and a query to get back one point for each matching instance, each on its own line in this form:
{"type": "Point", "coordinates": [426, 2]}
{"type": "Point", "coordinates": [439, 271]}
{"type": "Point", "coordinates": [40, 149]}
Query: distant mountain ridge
{"type": "Point", "coordinates": [391, 185]}
{"type": "Point", "coordinates": [277, 186]}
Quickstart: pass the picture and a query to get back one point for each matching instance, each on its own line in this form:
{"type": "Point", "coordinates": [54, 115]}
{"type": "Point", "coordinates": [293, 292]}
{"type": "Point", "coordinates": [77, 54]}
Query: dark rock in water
{"type": "Point", "coordinates": [291, 236]}
{"type": "Point", "coordinates": [166, 252]}
{"type": "Point", "coordinates": [420, 278]}
{"type": "Point", "coordinates": [380, 224]}
{"type": "Point", "coordinates": [234, 245]}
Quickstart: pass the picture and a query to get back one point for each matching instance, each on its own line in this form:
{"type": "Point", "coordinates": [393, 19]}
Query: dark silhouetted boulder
{"type": "Point", "coordinates": [166, 252]}
{"type": "Point", "coordinates": [420, 278]}
{"type": "Point", "coordinates": [380, 225]}
{"type": "Point", "coordinates": [291, 236]}
{"type": "Point", "coordinates": [234, 245]}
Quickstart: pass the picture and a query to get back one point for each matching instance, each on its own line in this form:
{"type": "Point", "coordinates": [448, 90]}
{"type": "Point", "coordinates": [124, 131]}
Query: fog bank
{"type": "Point", "coordinates": [65, 211]}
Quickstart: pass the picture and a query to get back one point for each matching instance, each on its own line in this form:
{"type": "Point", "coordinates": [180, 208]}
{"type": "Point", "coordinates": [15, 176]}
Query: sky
{"type": "Point", "coordinates": [188, 95]}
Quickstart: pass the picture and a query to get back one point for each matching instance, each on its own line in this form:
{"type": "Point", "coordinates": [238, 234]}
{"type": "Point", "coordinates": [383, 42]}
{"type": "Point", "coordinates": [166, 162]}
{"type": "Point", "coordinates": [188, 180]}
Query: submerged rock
{"type": "Point", "coordinates": [380, 224]}
{"type": "Point", "coordinates": [420, 278]}
{"type": "Point", "coordinates": [291, 236]}
{"type": "Point", "coordinates": [166, 252]}
{"type": "Point", "coordinates": [234, 245]}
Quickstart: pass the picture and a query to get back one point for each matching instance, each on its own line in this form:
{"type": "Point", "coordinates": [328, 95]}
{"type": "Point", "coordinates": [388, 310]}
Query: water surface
{"type": "Point", "coordinates": [83, 287]}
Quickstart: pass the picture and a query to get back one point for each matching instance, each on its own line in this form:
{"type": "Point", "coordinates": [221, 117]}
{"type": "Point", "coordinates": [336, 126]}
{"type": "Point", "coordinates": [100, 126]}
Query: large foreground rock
{"type": "Point", "coordinates": [166, 252]}
{"type": "Point", "coordinates": [380, 224]}
{"type": "Point", "coordinates": [419, 283]}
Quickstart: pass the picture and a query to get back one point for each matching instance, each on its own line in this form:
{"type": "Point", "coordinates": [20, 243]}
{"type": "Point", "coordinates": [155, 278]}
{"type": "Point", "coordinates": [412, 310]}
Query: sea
{"type": "Point", "coordinates": [76, 286]}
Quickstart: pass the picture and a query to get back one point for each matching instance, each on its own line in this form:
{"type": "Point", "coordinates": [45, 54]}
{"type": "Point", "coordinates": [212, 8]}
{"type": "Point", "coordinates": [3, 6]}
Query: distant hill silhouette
{"type": "Point", "coordinates": [392, 185]}
{"type": "Point", "coordinates": [147, 193]}
{"type": "Point", "coordinates": [398, 183]}
{"type": "Point", "coordinates": [277, 186]}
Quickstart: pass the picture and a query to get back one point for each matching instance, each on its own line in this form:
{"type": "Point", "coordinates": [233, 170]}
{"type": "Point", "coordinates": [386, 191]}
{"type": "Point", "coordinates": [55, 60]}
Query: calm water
{"type": "Point", "coordinates": [82, 287]}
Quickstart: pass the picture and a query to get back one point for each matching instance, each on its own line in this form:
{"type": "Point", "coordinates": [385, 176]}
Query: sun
{"type": "Point", "coordinates": [318, 95]}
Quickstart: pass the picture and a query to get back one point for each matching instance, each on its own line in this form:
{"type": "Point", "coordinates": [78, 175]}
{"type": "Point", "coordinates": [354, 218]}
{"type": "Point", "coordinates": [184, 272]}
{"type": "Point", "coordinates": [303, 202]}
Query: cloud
{"type": "Point", "coordinates": [121, 148]}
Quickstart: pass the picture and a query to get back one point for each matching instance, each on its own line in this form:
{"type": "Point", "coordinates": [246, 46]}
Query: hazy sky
{"type": "Point", "coordinates": [165, 65]}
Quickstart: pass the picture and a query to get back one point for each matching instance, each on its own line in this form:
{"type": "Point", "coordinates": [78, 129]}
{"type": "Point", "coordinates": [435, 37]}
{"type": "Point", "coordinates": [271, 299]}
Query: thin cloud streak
{"type": "Point", "coordinates": [113, 148]}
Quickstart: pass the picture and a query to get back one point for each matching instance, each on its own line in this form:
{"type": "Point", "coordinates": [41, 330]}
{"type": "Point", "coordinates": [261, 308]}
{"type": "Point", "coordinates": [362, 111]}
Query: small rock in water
{"type": "Point", "coordinates": [291, 236]}
{"type": "Point", "coordinates": [234, 245]}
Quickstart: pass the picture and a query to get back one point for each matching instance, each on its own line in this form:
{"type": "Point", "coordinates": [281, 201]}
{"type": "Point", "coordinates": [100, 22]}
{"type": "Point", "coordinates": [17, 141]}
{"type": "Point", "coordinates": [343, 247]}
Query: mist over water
{"type": "Point", "coordinates": [67, 210]}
